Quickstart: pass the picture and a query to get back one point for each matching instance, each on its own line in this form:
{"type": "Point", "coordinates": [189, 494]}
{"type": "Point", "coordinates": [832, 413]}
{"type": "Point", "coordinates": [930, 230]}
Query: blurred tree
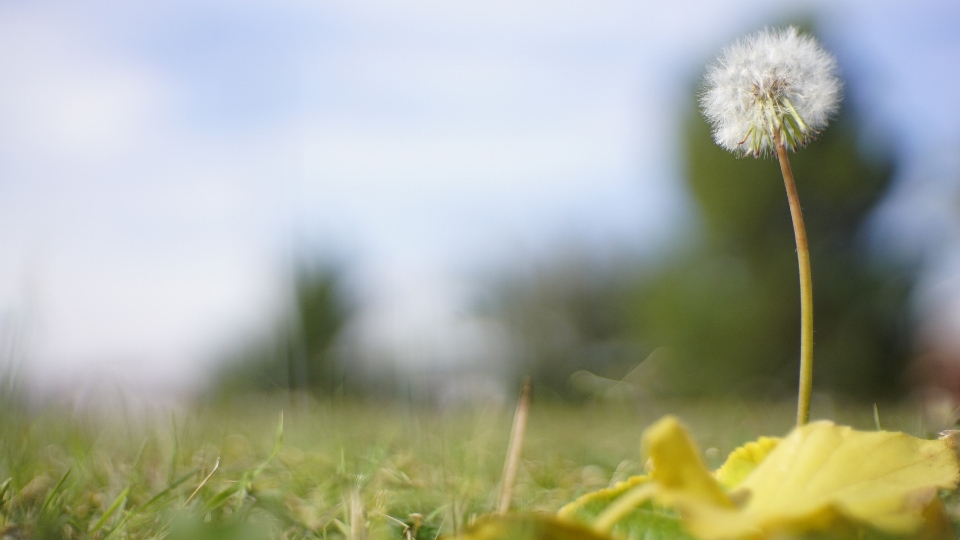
{"type": "Point", "coordinates": [570, 316]}
{"type": "Point", "coordinates": [299, 355]}
{"type": "Point", "coordinates": [727, 307]}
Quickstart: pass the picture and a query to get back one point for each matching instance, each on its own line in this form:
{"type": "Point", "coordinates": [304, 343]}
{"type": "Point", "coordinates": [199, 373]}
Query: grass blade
{"type": "Point", "coordinates": [4, 487]}
{"type": "Point", "coordinates": [248, 476]}
{"type": "Point", "coordinates": [203, 483]}
{"type": "Point", "coordinates": [111, 509]}
{"type": "Point", "coordinates": [515, 447]}
{"type": "Point", "coordinates": [156, 498]}
{"type": "Point", "coordinates": [56, 489]}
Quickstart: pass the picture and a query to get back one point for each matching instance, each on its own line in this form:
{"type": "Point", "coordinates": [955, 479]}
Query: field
{"type": "Point", "coordinates": [346, 470]}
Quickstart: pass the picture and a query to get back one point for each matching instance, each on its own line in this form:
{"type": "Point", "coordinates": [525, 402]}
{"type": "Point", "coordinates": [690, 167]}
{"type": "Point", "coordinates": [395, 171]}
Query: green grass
{"type": "Point", "coordinates": [342, 471]}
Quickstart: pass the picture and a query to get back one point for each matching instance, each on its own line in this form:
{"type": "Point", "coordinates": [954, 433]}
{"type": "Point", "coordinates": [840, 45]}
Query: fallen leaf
{"type": "Point", "coordinates": [587, 506]}
{"type": "Point", "coordinates": [821, 477]}
{"type": "Point", "coordinates": [742, 461]}
{"type": "Point", "coordinates": [677, 465]}
{"type": "Point", "coordinates": [528, 527]}
{"type": "Point", "coordinates": [645, 521]}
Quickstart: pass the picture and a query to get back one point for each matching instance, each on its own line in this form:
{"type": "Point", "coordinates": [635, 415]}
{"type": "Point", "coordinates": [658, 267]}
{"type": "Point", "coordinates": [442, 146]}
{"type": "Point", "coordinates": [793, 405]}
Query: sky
{"type": "Point", "coordinates": [163, 165]}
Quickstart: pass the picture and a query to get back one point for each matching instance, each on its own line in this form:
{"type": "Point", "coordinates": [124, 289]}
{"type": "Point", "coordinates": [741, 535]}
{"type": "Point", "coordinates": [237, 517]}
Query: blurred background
{"type": "Point", "coordinates": [430, 200]}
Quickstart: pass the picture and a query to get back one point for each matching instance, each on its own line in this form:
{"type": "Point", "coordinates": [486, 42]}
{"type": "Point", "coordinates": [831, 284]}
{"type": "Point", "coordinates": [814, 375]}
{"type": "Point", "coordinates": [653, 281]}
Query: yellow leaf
{"type": "Point", "coordinates": [820, 477]}
{"type": "Point", "coordinates": [528, 527]}
{"type": "Point", "coordinates": [600, 497]}
{"type": "Point", "coordinates": [742, 461]}
{"type": "Point", "coordinates": [677, 465]}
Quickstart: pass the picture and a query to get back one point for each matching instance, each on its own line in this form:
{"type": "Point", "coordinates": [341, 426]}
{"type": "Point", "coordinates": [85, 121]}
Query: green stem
{"type": "Point", "coordinates": [806, 288]}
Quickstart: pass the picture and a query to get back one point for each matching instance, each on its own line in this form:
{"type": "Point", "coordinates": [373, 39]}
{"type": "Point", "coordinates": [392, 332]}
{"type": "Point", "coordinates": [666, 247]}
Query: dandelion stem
{"type": "Point", "coordinates": [806, 288]}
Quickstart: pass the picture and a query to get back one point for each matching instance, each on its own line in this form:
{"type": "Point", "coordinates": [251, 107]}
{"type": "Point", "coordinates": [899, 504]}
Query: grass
{"type": "Point", "coordinates": [348, 470]}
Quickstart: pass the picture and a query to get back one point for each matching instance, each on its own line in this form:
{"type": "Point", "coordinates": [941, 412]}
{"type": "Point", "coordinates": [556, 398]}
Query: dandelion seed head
{"type": "Point", "coordinates": [769, 87]}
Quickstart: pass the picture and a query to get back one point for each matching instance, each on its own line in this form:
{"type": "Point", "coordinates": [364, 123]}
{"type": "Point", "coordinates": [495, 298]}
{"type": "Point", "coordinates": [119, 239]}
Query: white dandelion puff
{"type": "Point", "coordinates": [773, 87]}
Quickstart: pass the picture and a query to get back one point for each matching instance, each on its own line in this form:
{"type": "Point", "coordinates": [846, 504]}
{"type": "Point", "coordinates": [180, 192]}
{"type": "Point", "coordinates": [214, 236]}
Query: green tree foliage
{"type": "Point", "coordinates": [729, 309]}
{"type": "Point", "coordinates": [568, 317]}
{"type": "Point", "coordinates": [300, 353]}
{"type": "Point", "coordinates": [726, 307]}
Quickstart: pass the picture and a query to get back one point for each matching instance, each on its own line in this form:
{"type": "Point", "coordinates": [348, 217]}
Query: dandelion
{"type": "Point", "coordinates": [769, 92]}
{"type": "Point", "coordinates": [772, 88]}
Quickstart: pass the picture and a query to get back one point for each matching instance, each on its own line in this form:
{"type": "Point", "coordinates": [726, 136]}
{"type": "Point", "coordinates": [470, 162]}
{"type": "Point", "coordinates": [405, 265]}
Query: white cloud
{"type": "Point", "coordinates": [65, 94]}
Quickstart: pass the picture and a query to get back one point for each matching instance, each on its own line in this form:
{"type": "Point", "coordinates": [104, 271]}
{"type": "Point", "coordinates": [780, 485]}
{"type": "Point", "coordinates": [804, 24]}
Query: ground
{"type": "Point", "coordinates": [350, 470]}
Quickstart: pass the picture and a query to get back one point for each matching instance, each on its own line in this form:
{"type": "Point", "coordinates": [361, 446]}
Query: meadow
{"type": "Point", "coordinates": [342, 469]}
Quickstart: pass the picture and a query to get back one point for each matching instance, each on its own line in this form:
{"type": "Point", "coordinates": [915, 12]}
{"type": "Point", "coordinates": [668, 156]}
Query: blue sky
{"type": "Point", "coordinates": [163, 163]}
